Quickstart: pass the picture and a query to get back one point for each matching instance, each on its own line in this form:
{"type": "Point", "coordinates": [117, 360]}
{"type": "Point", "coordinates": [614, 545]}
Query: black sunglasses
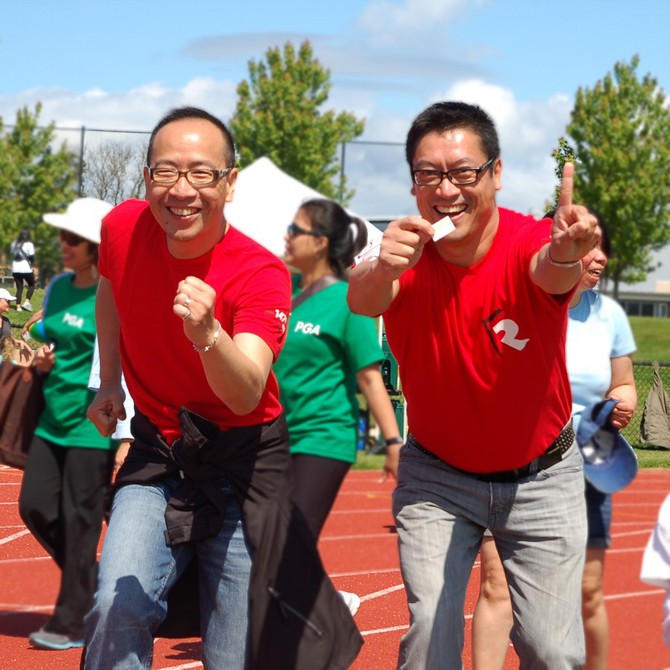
{"type": "Point", "coordinates": [71, 239]}
{"type": "Point", "coordinates": [294, 229]}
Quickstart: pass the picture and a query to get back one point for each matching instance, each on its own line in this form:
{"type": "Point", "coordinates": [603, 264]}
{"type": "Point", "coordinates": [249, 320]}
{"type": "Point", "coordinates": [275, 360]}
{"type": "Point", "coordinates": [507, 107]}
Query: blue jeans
{"type": "Point", "coordinates": [137, 570]}
{"type": "Point", "coordinates": [539, 525]}
{"type": "Point", "coordinates": [599, 515]}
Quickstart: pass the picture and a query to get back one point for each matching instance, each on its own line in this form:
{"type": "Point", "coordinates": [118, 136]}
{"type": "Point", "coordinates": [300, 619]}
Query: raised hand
{"type": "Point", "coordinates": [402, 244]}
{"type": "Point", "coordinates": [575, 231]}
{"type": "Point", "coordinates": [194, 303]}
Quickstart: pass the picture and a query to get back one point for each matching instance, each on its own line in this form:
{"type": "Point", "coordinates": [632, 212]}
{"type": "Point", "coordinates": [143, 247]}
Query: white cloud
{"type": "Point", "coordinates": [135, 111]}
{"type": "Point", "coordinates": [388, 23]}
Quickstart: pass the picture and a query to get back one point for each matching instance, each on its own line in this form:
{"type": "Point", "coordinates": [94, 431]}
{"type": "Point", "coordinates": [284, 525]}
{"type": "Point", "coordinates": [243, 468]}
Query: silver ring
{"type": "Point", "coordinates": [187, 302]}
{"type": "Point", "coordinates": [187, 316]}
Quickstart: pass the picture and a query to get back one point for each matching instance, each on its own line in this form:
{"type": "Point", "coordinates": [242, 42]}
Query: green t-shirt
{"type": "Point", "coordinates": [326, 346]}
{"type": "Point", "coordinates": [69, 322]}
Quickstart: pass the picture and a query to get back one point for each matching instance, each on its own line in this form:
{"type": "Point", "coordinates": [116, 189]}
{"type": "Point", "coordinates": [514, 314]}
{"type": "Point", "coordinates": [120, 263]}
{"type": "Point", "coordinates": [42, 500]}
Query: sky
{"type": "Point", "coordinates": [122, 64]}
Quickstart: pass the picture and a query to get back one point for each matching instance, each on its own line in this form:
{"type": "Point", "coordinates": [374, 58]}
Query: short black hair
{"type": "Point", "coordinates": [195, 113]}
{"type": "Point", "coordinates": [443, 116]}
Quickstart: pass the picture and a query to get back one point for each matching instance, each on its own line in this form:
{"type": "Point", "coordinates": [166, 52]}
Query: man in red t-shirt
{"type": "Point", "coordinates": [477, 321]}
{"type": "Point", "coordinates": [208, 475]}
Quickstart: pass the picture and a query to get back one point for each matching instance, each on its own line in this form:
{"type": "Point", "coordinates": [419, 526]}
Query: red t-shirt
{"type": "Point", "coordinates": [162, 370]}
{"type": "Point", "coordinates": [481, 353]}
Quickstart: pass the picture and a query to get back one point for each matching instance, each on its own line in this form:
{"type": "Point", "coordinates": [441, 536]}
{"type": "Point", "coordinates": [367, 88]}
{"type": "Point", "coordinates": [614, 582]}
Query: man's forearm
{"type": "Point", "coordinates": [370, 292]}
{"type": "Point", "coordinates": [108, 330]}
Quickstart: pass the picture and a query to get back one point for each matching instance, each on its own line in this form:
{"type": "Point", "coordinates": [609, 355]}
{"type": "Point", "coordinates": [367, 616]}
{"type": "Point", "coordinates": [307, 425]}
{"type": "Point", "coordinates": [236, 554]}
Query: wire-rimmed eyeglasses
{"type": "Point", "coordinates": [196, 177]}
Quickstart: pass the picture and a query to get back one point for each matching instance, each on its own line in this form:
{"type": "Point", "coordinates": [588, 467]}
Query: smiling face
{"type": "Point", "coordinates": [471, 208]}
{"type": "Point", "coordinates": [78, 254]}
{"type": "Point", "coordinates": [192, 218]}
{"type": "Point", "coordinates": [594, 270]}
{"type": "Point", "coordinates": [4, 305]}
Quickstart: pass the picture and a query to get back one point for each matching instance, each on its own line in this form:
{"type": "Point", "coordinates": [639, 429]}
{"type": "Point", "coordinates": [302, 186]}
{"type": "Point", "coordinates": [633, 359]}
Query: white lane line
{"type": "Point", "coordinates": [362, 573]}
{"type": "Point", "coordinates": [633, 532]}
{"type": "Point", "coordinates": [22, 608]}
{"type": "Point", "coordinates": [382, 593]}
{"type": "Point", "coordinates": [366, 536]}
{"type": "Point", "coordinates": [15, 536]}
{"type": "Point", "coordinates": [635, 594]}
{"type": "Point", "coordinates": [13, 525]}
{"type": "Point", "coordinates": [378, 631]}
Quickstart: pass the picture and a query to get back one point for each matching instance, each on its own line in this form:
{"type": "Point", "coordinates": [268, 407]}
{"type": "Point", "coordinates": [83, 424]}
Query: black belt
{"type": "Point", "coordinates": [551, 456]}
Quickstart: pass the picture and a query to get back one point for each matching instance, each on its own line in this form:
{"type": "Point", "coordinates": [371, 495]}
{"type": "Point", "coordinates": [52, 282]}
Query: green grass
{"type": "Point", "coordinates": [653, 457]}
{"type": "Point", "coordinates": [648, 457]}
{"type": "Point", "coordinates": [652, 337]}
{"type": "Point", "coordinates": [368, 461]}
{"type": "Point", "coordinates": [18, 319]}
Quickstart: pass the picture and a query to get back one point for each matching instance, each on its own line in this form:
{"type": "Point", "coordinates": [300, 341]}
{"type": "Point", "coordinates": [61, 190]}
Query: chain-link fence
{"type": "Point", "coordinates": [360, 163]}
{"type": "Point", "coordinates": [644, 379]}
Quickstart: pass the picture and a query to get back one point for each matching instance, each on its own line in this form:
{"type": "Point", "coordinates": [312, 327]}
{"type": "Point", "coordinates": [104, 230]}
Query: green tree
{"type": "Point", "coordinates": [279, 114]}
{"type": "Point", "coordinates": [35, 177]}
{"type": "Point", "coordinates": [563, 154]}
{"type": "Point", "coordinates": [619, 131]}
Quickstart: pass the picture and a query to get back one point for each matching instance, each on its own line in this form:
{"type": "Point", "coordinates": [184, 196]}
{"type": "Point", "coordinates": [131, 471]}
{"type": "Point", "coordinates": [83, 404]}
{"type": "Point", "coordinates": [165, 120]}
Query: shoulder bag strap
{"type": "Point", "coordinates": [313, 288]}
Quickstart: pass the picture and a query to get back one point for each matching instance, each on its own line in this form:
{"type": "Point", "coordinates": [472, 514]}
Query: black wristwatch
{"type": "Point", "coordinates": [394, 440]}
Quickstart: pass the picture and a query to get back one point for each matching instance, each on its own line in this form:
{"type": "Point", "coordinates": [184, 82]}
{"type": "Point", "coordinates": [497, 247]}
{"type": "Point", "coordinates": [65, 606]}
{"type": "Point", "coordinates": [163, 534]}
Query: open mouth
{"type": "Point", "coordinates": [183, 211]}
{"type": "Point", "coordinates": [451, 211]}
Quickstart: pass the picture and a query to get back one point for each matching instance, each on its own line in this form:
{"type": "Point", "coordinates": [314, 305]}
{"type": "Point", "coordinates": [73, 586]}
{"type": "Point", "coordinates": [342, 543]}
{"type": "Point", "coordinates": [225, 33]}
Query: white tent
{"type": "Point", "coordinates": [265, 202]}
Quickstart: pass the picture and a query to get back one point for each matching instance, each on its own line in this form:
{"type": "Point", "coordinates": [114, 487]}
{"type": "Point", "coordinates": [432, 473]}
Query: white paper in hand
{"type": "Point", "coordinates": [442, 228]}
{"type": "Point", "coordinates": [370, 252]}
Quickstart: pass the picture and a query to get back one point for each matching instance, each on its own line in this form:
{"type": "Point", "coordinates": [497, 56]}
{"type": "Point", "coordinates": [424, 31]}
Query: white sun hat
{"type": "Point", "coordinates": [4, 293]}
{"type": "Point", "coordinates": [82, 217]}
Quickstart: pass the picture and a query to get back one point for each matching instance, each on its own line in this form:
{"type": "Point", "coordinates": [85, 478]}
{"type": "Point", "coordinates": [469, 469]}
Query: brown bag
{"type": "Point", "coordinates": [21, 404]}
{"type": "Point", "coordinates": [655, 423]}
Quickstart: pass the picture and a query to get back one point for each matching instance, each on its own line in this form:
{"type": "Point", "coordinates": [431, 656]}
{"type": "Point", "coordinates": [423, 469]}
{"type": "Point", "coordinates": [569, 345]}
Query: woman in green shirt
{"type": "Point", "coordinates": [70, 464]}
{"type": "Point", "coordinates": [328, 353]}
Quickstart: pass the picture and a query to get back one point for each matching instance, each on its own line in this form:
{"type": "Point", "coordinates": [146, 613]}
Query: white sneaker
{"type": "Point", "coordinates": [19, 308]}
{"type": "Point", "coordinates": [27, 306]}
{"type": "Point", "coordinates": [351, 600]}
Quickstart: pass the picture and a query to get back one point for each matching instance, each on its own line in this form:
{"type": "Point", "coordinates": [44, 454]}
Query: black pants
{"type": "Point", "coordinates": [19, 278]}
{"type": "Point", "coordinates": [316, 481]}
{"type": "Point", "coordinates": [61, 503]}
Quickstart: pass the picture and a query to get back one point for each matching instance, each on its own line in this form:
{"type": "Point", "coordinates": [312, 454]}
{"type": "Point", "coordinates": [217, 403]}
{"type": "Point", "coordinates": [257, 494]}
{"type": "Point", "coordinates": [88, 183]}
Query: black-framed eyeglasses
{"type": "Point", "coordinates": [71, 239]}
{"type": "Point", "coordinates": [294, 229]}
{"type": "Point", "coordinates": [196, 177]}
{"type": "Point", "coordinates": [458, 176]}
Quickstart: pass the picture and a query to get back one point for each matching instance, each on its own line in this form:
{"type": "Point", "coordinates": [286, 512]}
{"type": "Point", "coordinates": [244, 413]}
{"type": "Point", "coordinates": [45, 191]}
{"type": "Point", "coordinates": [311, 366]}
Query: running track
{"type": "Point", "coordinates": [358, 546]}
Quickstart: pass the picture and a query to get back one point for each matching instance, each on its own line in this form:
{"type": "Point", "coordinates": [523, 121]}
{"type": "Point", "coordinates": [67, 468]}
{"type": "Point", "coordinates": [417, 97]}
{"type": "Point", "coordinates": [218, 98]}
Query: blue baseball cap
{"type": "Point", "coordinates": [610, 463]}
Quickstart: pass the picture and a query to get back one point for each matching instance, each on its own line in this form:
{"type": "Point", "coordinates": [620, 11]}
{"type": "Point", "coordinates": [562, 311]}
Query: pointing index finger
{"type": "Point", "coordinates": [565, 198]}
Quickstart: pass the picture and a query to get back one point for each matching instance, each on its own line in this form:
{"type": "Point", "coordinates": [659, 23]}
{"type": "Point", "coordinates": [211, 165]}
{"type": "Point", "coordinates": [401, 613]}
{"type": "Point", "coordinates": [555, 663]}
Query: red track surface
{"type": "Point", "coordinates": [358, 546]}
